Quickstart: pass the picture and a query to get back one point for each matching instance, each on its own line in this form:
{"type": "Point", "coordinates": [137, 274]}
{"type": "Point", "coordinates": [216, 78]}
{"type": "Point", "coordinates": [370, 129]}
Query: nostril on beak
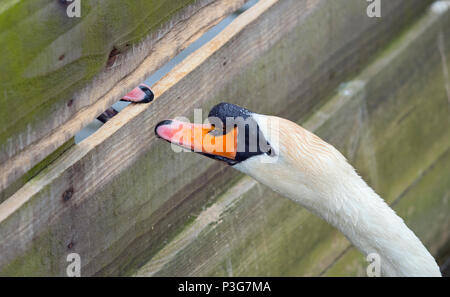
{"type": "Point", "coordinates": [162, 123]}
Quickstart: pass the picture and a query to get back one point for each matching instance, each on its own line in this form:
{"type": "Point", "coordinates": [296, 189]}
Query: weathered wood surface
{"type": "Point", "coordinates": [58, 74]}
{"type": "Point", "coordinates": [127, 204]}
{"type": "Point", "coordinates": [392, 122]}
{"type": "Point", "coordinates": [17, 184]}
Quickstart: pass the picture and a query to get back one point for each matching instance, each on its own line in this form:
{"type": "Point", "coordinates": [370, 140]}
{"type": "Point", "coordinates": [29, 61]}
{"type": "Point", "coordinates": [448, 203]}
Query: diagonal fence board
{"type": "Point", "coordinates": [68, 79]}
{"type": "Point", "coordinates": [251, 230]}
{"type": "Point", "coordinates": [122, 195]}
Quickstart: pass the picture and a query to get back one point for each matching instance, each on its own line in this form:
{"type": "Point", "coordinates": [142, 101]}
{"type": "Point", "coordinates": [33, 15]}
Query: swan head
{"type": "Point", "coordinates": [274, 151]}
{"type": "Point", "coordinates": [231, 135]}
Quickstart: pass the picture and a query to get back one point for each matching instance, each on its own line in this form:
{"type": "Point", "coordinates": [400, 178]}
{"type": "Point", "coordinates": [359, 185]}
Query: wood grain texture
{"type": "Point", "coordinates": [59, 97]}
{"type": "Point", "coordinates": [12, 188]}
{"type": "Point", "coordinates": [127, 203]}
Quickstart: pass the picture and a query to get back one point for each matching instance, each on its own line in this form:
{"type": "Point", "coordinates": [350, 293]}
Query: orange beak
{"type": "Point", "coordinates": [199, 138]}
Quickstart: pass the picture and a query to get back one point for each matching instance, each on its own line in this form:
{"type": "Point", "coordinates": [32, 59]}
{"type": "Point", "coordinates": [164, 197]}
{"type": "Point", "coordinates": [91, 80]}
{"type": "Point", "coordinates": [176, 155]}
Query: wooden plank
{"type": "Point", "coordinates": [12, 188]}
{"type": "Point", "coordinates": [242, 233]}
{"type": "Point", "coordinates": [65, 79]}
{"type": "Point", "coordinates": [123, 197]}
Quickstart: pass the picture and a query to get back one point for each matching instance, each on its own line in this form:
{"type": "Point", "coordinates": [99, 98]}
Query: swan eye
{"type": "Point", "coordinates": [270, 153]}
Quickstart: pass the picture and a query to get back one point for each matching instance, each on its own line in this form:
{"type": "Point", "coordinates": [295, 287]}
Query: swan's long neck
{"type": "Point", "coordinates": [373, 227]}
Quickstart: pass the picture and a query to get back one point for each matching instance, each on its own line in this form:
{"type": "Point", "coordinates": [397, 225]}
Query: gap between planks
{"type": "Point", "coordinates": [178, 38]}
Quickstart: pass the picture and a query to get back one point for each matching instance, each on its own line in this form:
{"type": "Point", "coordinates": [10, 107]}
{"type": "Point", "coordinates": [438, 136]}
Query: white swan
{"type": "Point", "coordinates": [299, 165]}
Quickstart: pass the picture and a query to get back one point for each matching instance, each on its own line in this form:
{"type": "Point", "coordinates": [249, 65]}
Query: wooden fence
{"type": "Point", "coordinates": [376, 88]}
